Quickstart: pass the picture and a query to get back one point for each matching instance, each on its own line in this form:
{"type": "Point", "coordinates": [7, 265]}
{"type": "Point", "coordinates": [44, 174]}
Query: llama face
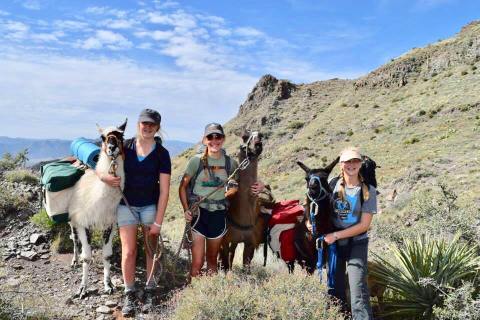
{"type": "Point", "coordinates": [253, 143]}
{"type": "Point", "coordinates": [317, 180]}
{"type": "Point", "coordinates": [112, 138]}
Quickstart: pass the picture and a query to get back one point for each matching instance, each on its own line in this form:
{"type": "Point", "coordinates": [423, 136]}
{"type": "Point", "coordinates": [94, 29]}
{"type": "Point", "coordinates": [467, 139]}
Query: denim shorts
{"type": "Point", "coordinates": [141, 215]}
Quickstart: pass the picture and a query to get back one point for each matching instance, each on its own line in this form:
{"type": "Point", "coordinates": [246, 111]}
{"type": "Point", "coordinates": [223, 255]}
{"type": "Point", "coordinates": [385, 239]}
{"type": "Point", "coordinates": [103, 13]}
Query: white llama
{"type": "Point", "coordinates": [93, 205]}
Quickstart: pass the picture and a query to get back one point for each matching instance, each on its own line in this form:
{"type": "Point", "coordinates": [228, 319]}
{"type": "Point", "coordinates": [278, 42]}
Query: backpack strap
{"type": "Point", "coordinates": [228, 165]}
{"type": "Point", "coordinates": [333, 183]}
{"type": "Point", "coordinates": [128, 143]}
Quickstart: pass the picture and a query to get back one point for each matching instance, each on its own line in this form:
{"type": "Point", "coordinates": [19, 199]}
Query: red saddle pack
{"type": "Point", "coordinates": [284, 217]}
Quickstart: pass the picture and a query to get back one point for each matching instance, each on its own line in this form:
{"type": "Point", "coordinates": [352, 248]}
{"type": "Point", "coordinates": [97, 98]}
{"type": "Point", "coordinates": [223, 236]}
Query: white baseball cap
{"type": "Point", "coordinates": [349, 154]}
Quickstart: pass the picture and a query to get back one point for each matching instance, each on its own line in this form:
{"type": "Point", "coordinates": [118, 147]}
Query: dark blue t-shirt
{"type": "Point", "coordinates": [142, 186]}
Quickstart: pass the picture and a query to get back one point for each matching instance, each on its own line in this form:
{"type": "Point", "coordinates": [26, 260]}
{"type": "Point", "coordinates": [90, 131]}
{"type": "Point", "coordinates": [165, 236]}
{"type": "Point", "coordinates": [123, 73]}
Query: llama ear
{"type": "Point", "coordinates": [123, 126]}
{"type": "Point", "coordinates": [99, 129]}
{"type": "Point", "coordinates": [304, 167]}
{"type": "Point", "coordinates": [330, 167]}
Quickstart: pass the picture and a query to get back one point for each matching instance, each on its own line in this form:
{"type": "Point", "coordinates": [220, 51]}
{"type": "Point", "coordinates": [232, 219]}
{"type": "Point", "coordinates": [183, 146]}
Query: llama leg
{"type": "Point", "coordinates": [231, 255]}
{"type": "Point", "coordinates": [76, 245]}
{"type": "Point", "coordinates": [107, 252]}
{"type": "Point", "coordinates": [86, 258]}
{"type": "Point", "coordinates": [224, 256]}
{"type": "Point", "coordinates": [248, 252]}
{"type": "Point", "coordinates": [291, 266]}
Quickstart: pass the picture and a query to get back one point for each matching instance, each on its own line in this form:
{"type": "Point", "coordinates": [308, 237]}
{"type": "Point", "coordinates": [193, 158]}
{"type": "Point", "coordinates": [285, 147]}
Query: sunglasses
{"type": "Point", "coordinates": [214, 136]}
{"type": "Point", "coordinates": [148, 124]}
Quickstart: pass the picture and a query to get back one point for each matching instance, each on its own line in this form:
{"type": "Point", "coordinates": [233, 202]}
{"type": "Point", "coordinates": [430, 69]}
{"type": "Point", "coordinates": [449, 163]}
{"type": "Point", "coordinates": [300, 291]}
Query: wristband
{"type": "Point", "coordinates": [157, 225]}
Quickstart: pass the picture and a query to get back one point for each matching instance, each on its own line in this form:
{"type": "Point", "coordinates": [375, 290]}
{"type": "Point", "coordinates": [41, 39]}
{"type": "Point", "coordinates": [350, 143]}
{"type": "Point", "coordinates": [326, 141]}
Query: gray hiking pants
{"type": "Point", "coordinates": [352, 257]}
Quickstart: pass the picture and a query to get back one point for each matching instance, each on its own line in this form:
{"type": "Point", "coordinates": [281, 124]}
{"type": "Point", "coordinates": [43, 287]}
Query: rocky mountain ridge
{"type": "Point", "coordinates": [416, 115]}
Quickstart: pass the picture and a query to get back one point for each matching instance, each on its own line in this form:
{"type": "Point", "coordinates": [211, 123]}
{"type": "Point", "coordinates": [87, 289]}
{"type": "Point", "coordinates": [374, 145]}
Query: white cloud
{"type": "Point", "coordinates": [106, 11]}
{"type": "Point", "coordinates": [31, 4]}
{"type": "Point", "coordinates": [179, 19]}
{"type": "Point", "coordinates": [107, 39]}
{"type": "Point", "coordinates": [248, 32]}
{"type": "Point", "coordinates": [72, 94]}
{"type": "Point", "coordinates": [165, 4]}
{"type": "Point", "coordinates": [4, 13]}
{"type": "Point", "coordinates": [223, 32]}
{"type": "Point", "coordinates": [118, 23]}
{"type": "Point", "coordinates": [159, 18]}
{"type": "Point", "coordinates": [145, 46]}
{"type": "Point", "coordinates": [155, 35]}
{"type": "Point", "coordinates": [16, 30]}
{"type": "Point", "coordinates": [70, 24]}
{"type": "Point", "coordinates": [46, 37]}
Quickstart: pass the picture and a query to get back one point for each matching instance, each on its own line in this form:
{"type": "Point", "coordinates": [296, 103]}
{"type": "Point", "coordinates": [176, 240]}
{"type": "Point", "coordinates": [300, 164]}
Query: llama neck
{"type": "Point", "coordinates": [103, 166]}
{"type": "Point", "coordinates": [245, 212]}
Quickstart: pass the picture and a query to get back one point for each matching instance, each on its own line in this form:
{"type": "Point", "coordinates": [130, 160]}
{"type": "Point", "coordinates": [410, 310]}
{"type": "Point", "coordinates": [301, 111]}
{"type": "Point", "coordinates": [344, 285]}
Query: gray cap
{"type": "Point", "coordinates": [150, 115]}
{"type": "Point", "coordinates": [213, 128]}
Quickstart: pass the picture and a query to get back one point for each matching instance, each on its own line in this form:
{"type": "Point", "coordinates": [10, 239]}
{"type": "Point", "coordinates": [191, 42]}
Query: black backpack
{"type": "Point", "coordinates": [367, 171]}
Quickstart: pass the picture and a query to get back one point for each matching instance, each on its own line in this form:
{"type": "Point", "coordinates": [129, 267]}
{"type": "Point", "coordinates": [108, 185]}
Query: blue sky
{"type": "Point", "coordinates": [66, 65]}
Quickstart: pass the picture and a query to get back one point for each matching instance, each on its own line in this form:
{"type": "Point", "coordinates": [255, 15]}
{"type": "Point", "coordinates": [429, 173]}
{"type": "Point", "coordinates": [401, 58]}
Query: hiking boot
{"type": "Point", "coordinates": [149, 301]}
{"type": "Point", "coordinates": [129, 303]}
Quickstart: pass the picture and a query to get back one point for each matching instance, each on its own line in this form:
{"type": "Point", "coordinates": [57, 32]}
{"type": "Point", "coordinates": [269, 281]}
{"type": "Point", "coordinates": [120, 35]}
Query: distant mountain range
{"type": "Point", "coordinates": [46, 149]}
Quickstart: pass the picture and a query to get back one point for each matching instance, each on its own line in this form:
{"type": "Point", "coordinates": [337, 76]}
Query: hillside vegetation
{"type": "Point", "coordinates": [418, 118]}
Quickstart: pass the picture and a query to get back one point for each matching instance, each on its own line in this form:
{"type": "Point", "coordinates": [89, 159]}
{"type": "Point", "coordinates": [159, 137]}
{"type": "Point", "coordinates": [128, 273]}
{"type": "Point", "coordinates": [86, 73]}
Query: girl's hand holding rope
{"type": "Point", "coordinates": [109, 179]}
{"type": "Point", "coordinates": [188, 215]}
{"type": "Point", "coordinates": [154, 230]}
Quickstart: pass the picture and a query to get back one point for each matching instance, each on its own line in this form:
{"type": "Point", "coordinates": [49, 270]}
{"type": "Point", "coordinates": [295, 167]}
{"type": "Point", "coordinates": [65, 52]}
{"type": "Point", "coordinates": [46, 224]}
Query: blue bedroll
{"type": "Point", "coordinates": [86, 151]}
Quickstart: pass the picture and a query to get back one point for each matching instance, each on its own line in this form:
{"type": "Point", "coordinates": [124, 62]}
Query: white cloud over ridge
{"type": "Point", "coordinates": [86, 76]}
{"type": "Point", "coordinates": [72, 94]}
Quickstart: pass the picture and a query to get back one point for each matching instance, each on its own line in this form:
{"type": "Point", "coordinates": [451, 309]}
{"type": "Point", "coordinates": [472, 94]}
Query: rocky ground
{"type": "Point", "coordinates": [36, 282]}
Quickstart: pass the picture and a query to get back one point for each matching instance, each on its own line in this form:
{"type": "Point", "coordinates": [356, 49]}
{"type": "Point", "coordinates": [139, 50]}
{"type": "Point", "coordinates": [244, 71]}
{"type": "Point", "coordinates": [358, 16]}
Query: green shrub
{"type": "Point", "coordinates": [296, 125]}
{"type": "Point", "coordinates": [464, 72]}
{"type": "Point", "coordinates": [260, 295]}
{"type": "Point", "coordinates": [42, 220]}
{"type": "Point", "coordinates": [8, 162]}
{"type": "Point", "coordinates": [421, 113]}
{"type": "Point", "coordinates": [411, 140]}
{"type": "Point", "coordinates": [21, 176]}
{"type": "Point", "coordinates": [11, 201]}
{"type": "Point", "coordinates": [349, 132]}
{"type": "Point", "coordinates": [419, 269]}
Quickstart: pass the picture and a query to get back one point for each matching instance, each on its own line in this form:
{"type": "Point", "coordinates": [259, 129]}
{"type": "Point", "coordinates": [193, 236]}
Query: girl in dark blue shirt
{"type": "Point", "coordinates": [147, 183]}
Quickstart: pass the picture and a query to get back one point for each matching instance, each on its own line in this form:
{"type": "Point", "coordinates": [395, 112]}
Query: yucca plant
{"type": "Point", "coordinates": [422, 271]}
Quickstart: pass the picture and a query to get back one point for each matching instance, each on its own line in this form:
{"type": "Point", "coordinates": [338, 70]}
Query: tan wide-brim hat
{"type": "Point", "coordinates": [350, 154]}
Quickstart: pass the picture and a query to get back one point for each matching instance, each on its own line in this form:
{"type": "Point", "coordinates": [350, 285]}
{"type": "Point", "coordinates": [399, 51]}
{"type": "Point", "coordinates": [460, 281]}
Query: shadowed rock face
{"type": "Point", "coordinates": [268, 87]}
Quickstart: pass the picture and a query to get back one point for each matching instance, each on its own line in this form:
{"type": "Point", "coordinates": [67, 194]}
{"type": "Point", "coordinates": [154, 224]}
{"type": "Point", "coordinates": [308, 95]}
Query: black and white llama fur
{"type": "Point", "coordinates": [93, 206]}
